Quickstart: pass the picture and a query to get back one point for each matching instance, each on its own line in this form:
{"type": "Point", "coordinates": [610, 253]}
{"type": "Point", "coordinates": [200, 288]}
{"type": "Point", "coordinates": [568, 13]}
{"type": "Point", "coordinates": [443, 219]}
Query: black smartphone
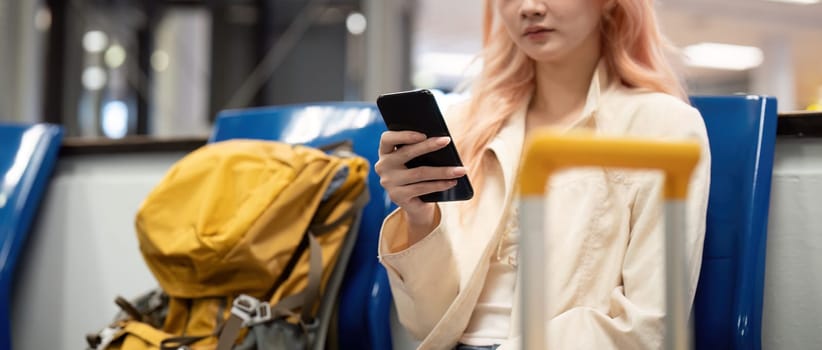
{"type": "Point", "coordinates": [418, 111]}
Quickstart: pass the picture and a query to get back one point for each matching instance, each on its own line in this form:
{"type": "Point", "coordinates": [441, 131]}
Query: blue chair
{"type": "Point", "coordinates": [365, 297]}
{"type": "Point", "coordinates": [27, 156]}
{"type": "Point", "coordinates": [728, 305]}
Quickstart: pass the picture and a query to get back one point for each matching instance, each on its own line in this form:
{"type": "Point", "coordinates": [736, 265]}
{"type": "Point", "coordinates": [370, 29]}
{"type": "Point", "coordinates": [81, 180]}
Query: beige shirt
{"type": "Point", "coordinates": [605, 264]}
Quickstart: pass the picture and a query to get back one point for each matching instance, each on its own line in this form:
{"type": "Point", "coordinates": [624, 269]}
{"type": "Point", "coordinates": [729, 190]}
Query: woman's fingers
{"type": "Point", "coordinates": [409, 152]}
{"type": "Point", "coordinates": [403, 195]}
{"type": "Point", "coordinates": [421, 174]}
{"type": "Point", "coordinates": [400, 147]}
{"type": "Point", "coordinates": [391, 139]}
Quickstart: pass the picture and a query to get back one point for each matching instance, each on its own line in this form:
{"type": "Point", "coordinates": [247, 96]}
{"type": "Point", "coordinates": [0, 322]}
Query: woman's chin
{"type": "Point", "coordinates": [545, 56]}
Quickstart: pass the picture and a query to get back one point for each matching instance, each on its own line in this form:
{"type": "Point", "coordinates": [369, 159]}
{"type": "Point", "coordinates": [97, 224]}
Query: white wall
{"type": "Point", "coordinates": [792, 309]}
{"type": "Point", "coordinates": [83, 251]}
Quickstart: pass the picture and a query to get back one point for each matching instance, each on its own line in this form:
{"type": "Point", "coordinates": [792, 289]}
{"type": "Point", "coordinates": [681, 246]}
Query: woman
{"type": "Point", "coordinates": [564, 64]}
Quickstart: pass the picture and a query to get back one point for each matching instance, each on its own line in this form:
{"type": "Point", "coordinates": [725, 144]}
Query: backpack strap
{"type": "Point", "coordinates": [315, 273]}
{"type": "Point", "coordinates": [130, 309]}
{"type": "Point", "coordinates": [175, 343]}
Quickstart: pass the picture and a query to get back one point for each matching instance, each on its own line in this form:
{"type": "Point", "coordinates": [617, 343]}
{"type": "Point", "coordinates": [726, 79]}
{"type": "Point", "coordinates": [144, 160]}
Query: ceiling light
{"type": "Point", "coordinates": [95, 41]}
{"type": "Point", "coordinates": [42, 19]}
{"type": "Point", "coordinates": [723, 56]}
{"type": "Point", "coordinates": [356, 23]}
{"type": "Point", "coordinates": [115, 56]}
{"type": "Point", "coordinates": [159, 60]}
{"type": "Point", "coordinates": [94, 78]}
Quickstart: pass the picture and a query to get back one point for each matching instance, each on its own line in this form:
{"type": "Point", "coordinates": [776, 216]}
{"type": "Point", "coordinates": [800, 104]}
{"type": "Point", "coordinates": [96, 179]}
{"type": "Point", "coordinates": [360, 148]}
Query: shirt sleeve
{"type": "Point", "coordinates": [423, 277]}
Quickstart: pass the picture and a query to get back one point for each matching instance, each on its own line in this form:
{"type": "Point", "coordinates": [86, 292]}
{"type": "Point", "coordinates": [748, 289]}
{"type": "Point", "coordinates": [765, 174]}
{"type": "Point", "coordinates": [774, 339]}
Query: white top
{"type": "Point", "coordinates": [491, 320]}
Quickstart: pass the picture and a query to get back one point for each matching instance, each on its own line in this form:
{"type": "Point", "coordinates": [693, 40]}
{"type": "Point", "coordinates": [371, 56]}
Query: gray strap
{"type": "Point", "coordinates": [229, 333]}
{"type": "Point", "coordinates": [130, 309]}
{"type": "Point", "coordinates": [175, 343]}
{"type": "Point", "coordinates": [285, 305]}
{"type": "Point", "coordinates": [315, 272]}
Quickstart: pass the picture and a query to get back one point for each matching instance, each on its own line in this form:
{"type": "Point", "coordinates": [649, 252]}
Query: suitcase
{"type": "Point", "coordinates": [546, 153]}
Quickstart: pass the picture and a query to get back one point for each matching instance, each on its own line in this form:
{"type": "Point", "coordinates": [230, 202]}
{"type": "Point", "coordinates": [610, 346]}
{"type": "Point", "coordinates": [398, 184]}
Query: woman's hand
{"type": "Point", "coordinates": [404, 186]}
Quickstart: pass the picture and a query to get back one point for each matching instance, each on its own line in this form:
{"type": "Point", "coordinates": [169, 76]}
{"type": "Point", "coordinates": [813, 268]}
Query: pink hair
{"type": "Point", "coordinates": [632, 47]}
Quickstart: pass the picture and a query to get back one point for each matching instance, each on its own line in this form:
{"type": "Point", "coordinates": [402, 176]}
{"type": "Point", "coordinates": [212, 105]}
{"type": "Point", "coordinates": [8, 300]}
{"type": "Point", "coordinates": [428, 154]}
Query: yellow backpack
{"type": "Point", "coordinates": [242, 237]}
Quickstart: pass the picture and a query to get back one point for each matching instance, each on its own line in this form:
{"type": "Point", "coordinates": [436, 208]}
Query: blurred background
{"type": "Point", "coordinates": [164, 68]}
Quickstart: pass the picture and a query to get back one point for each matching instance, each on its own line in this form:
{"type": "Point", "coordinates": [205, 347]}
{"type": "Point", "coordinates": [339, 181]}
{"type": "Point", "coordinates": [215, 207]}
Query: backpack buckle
{"type": "Point", "coordinates": [244, 307]}
{"type": "Point", "coordinates": [261, 315]}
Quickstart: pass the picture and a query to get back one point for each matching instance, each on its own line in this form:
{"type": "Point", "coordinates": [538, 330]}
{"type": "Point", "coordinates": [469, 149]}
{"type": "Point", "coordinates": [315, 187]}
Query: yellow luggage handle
{"type": "Point", "coordinates": [548, 152]}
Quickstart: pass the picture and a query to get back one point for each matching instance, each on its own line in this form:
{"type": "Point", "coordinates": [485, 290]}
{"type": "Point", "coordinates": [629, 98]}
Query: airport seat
{"type": "Point", "coordinates": [365, 297]}
{"type": "Point", "coordinates": [728, 304]}
{"type": "Point", "coordinates": [27, 157]}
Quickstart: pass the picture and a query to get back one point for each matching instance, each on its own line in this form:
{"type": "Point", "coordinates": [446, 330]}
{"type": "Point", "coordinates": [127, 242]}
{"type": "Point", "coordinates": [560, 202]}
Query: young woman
{"type": "Point", "coordinates": [564, 64]}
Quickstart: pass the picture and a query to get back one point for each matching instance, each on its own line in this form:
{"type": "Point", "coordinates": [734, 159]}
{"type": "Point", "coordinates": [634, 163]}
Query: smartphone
{"type": "Point", "coordinates": [418, 111]}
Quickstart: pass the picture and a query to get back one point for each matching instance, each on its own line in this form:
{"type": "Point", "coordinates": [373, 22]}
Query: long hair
{"type": "Point", "coordinates": [632, 48]}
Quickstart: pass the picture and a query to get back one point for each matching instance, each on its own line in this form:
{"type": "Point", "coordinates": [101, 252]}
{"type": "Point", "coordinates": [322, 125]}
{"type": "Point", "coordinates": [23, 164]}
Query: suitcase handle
{"type": "Point", "coordinates": [547, 152]}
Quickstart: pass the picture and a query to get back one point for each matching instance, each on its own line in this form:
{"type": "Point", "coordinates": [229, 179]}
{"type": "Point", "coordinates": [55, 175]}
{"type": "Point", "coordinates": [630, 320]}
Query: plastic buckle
{"type": "Point", "coordinates": [261, 315]}
{"type": "Point", "coordinates": [244, 306]}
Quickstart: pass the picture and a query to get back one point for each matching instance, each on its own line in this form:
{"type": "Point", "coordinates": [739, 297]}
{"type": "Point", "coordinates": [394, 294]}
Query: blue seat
{"type": "Point", "coordinates": [365, 297]}
{"type": "Point", "coordinates": [728, 304]}
{"type": "Point", "coordinates": [27, 156]}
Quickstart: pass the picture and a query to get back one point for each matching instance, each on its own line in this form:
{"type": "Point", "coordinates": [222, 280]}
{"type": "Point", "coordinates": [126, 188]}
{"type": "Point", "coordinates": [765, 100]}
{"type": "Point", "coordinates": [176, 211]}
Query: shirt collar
{"type": "Point", "coordinates": [600, 83]}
